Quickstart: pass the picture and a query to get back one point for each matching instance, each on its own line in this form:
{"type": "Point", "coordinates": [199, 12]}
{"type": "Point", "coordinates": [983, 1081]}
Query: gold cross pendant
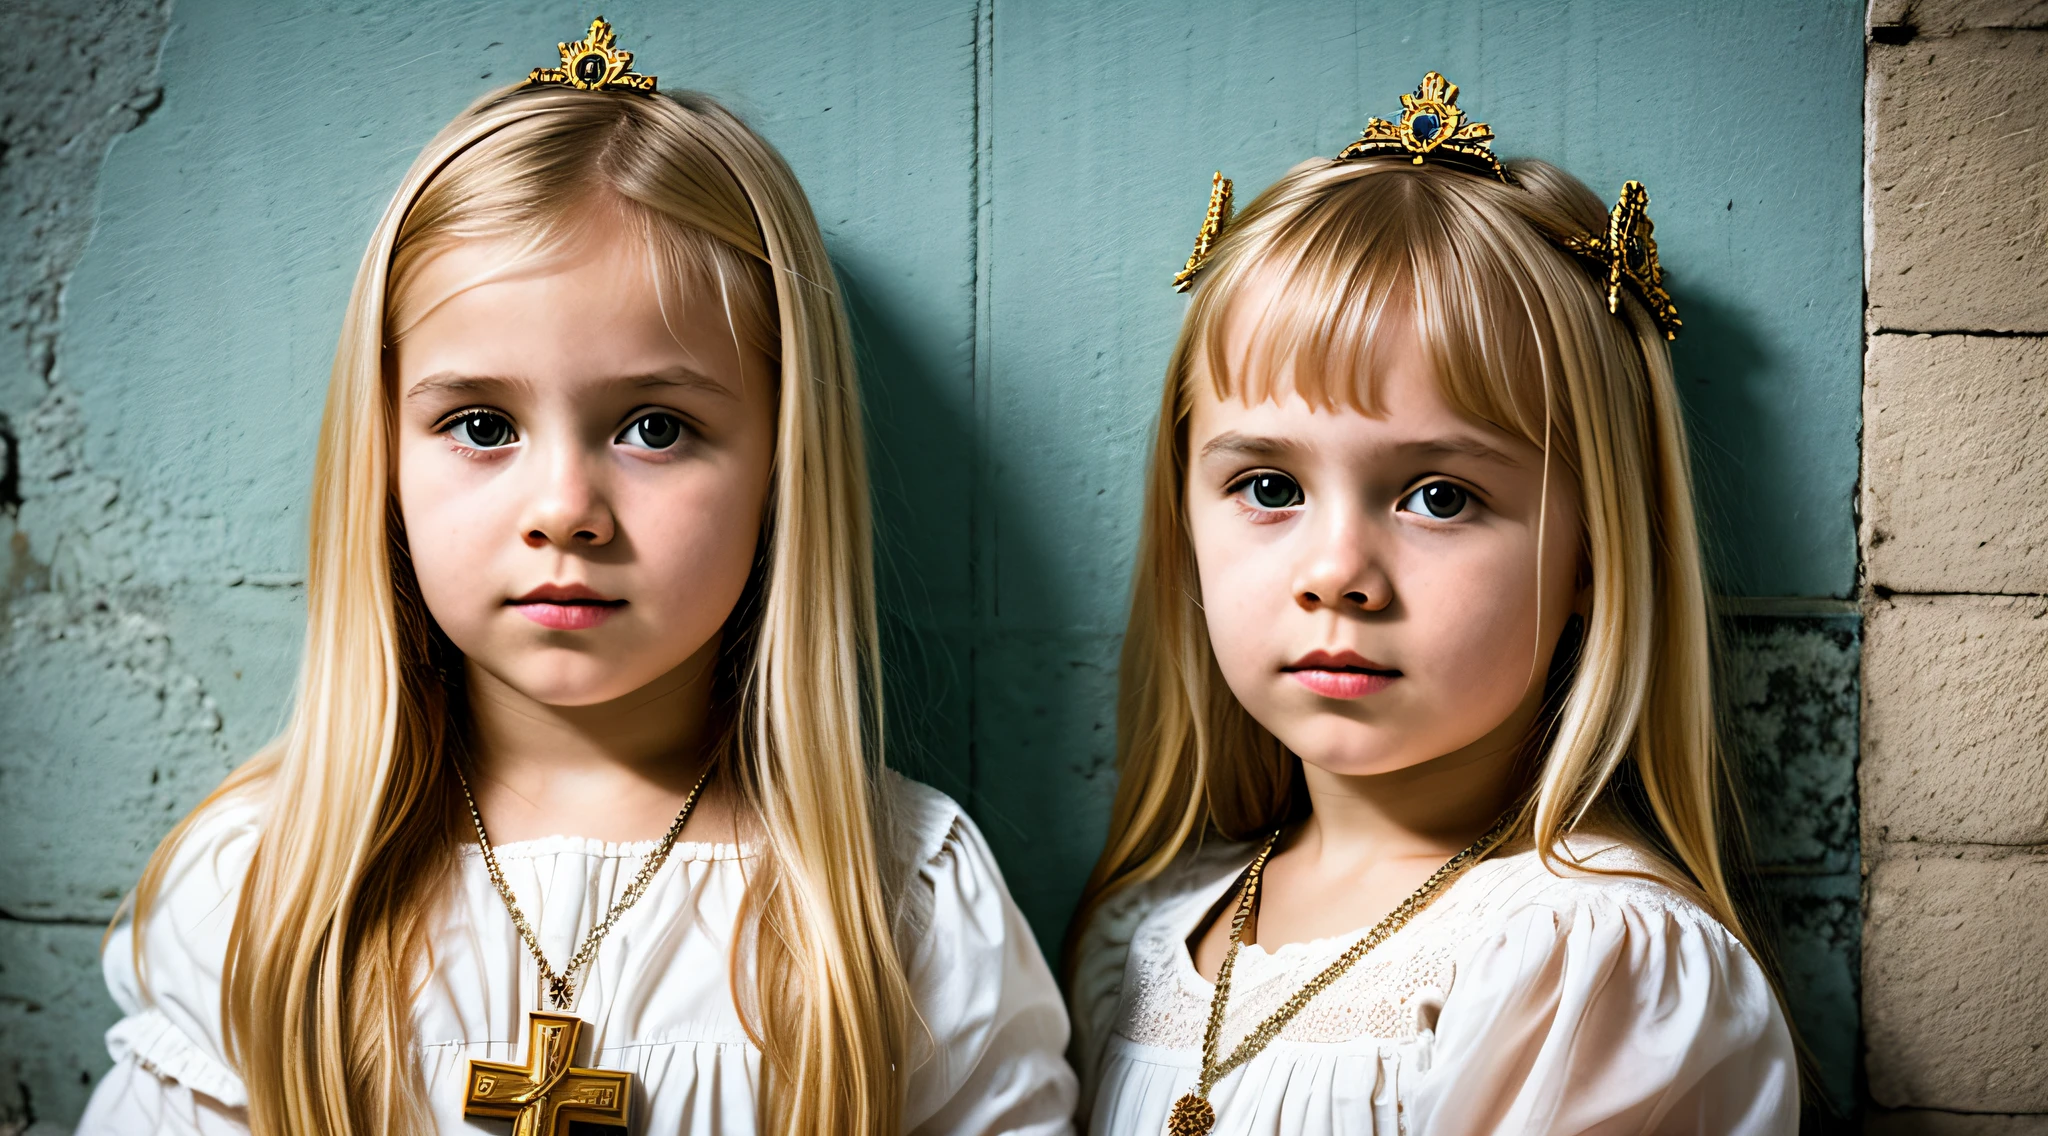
{"type": "Point", "coordinates": [543, 1096]}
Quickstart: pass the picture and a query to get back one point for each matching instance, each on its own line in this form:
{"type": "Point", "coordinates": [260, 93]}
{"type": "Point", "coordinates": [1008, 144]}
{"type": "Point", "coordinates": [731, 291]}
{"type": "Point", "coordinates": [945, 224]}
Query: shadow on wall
{"type": "Point", "coordinates": [1724, 374]}
{"type": "Point", "coordinates": [921, 470]}
{"type": "Point", "coordinates": [927, 489]}
{"type": "Point", "coordinates": [1787, 676]}
{"type": "Point", "coordinates": [965, 686]}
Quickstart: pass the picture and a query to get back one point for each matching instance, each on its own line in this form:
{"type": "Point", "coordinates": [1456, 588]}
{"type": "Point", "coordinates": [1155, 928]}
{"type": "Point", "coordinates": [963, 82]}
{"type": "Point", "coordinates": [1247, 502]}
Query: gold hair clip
{"type": "Point", "coordinates": [1431, 126]}
{"type": "Point", "coordinates": [1628, 253]}
{"type": "Point", "coordinates": [593, 63]}
{"type": "Point", "coordinates": [1212, 228]}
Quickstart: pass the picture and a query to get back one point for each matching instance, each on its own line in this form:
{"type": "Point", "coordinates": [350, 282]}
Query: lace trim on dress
{"type": "Point", "coordinates": [1392, 994]}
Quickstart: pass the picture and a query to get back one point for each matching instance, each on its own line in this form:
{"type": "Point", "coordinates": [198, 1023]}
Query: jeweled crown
{"type": "Point", "coordinates": [593, 63]}
{"type": "Point", "coordinates": [1433, 128]}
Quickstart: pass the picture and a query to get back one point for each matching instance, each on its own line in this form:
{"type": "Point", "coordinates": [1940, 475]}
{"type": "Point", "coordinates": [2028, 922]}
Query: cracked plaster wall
{"type": "Point", "coordinates": [1003, 188]}
{"type": "Point", "coordinates": [85, 780]}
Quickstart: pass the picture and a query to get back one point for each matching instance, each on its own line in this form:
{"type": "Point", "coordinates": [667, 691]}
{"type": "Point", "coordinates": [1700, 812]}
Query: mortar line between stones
{"type": "Point", "coordinates": [1882, 593]}
{"type": "Point", "coordinates": [1945, 332]}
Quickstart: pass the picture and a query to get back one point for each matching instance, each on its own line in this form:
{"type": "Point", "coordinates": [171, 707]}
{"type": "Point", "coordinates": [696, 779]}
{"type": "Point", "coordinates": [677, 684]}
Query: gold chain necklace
{"type": "Point", "coordinates": [561, 986]}
{"type": "Point", "coordinates": [1192, 1114]}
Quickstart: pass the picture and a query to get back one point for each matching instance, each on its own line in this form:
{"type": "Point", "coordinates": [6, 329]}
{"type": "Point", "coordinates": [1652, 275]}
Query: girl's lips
{"type": "Point", "coordinates": [568, 616]}
{"type": "Point", "coordinates": [1342, 684]}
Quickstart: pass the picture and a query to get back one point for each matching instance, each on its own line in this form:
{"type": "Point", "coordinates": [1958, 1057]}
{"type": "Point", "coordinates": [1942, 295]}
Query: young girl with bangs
{"type": "Point", "coordinates": [1421, 812]}
{"type": "Point", "coordinates": [580, 816]}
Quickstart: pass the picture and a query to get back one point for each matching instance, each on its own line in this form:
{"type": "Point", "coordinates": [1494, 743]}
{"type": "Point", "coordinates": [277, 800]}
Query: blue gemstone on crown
{"type": "Point", "coordinates": [1425, 126]}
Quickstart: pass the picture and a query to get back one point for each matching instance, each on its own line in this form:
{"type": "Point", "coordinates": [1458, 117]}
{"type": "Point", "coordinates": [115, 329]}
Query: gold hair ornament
{"type": "Point", "coordinates": [593, 63]}
{"type": "Point", "coordinates": [1628, 255]}
{"type": "Point", "coordinates": [1212, 229]}
{"type": "Point", "coordinates": [1431, 126]}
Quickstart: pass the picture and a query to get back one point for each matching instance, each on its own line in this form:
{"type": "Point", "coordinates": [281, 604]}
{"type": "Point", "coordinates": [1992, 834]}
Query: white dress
{"type": "Point", "coordinates": [1518, 1002]}
{"type": "Point", "coordinates": [657, 1000]}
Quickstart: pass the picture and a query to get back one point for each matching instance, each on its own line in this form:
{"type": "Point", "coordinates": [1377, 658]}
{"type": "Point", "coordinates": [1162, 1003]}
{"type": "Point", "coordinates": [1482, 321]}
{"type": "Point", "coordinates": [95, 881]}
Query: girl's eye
{"type": "Point", "coordinates": [1439, 499]}
{"type": "Point", "coordinates": [483, 430]}
{"type": "Point", "coordinates": [653, 432]}
{"type": "Point", "coordinates": [1273, 491]}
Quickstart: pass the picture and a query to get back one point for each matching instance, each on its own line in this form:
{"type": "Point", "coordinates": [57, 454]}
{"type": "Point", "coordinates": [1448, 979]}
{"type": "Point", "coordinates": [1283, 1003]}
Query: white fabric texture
{"type": "Point", "coordinates": [1520, 1001]}
{"type": "Point", "coordinates": [656, 1001]}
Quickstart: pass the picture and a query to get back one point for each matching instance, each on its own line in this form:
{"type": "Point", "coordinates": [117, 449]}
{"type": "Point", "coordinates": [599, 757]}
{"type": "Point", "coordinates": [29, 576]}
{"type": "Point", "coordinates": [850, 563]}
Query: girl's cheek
{"type": "Point", "coordinates": [1477, 622]}
{"type": "Point", "coordinates": [450, 525]}
{"type": "Point", "coordinates": [1244, 590]}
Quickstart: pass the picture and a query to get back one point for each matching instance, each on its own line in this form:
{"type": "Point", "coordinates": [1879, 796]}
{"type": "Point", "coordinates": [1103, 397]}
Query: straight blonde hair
{"type": "Point", "coordinates": [1521, 338]}
{"type": "Point", "coordinates": [330, 935]}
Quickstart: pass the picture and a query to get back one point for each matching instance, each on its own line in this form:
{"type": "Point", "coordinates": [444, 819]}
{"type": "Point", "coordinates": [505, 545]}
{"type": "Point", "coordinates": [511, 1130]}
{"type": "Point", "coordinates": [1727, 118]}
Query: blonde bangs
{"type": "Point", "coordinates": [1342, 260]}
{"type": "Point", "coordinates": [523, 189]}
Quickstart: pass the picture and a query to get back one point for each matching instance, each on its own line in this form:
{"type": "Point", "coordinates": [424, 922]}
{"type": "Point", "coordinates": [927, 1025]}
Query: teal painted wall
{"type": "Point", "coordinates": [1006, 188]}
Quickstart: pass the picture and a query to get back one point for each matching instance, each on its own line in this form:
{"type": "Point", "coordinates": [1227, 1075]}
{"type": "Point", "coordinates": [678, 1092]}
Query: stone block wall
{"type": "Point", "coordinates": [1954, 530]}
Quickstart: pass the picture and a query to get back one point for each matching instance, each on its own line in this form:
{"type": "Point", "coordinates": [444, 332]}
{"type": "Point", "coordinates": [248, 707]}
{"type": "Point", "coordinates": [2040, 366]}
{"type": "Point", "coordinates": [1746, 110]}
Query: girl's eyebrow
{"type": "Point", "coordinates": [1237, 444]}
{"type": "Point", "coordinates": [680, 376]}
{"type": "Point", "coordinates": [1248, 445]}
{"type": "Point", "coordinates": [448, 382]}
{"type": "Point", "coordinates": [1464, 445]}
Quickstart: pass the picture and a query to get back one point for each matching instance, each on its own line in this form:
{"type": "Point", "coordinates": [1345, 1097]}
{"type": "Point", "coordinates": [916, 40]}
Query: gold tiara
{"type": "Point", "coordinates": [1433, 128]}
{"type": "Point", "coordinates": [1627, 254]}
{"type": "Point", "coordinates": [593, 63]}
{"type": "Point", "coordinates": [1212, 228]}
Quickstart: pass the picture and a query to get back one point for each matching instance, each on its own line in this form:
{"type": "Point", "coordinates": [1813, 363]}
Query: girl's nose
{"type": "Point", "coordinates": [568, 507]}
{"type": "Point", "coordinates": [1341, 570]}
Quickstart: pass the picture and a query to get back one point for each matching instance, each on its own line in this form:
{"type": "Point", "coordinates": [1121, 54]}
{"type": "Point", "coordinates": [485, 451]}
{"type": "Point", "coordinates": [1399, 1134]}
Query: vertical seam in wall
{"type": "Point", "coordinates": [981, 520]}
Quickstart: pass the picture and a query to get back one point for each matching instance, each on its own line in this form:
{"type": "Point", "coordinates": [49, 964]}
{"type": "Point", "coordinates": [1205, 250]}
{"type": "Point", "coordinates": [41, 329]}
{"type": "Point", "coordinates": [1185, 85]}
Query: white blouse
{"type": "Point", "coordinates": [1518, 1002]}
{"type": "Point", "coordinates": [656, 1001]}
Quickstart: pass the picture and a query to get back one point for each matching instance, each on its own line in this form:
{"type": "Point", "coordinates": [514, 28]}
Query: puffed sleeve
{"type": "Point", "coordinates": [171, 1072]}
{"type": "Point", "coordinates": [1613, 1013]}
{"type": "Point", "coordinates": [995, 1061]}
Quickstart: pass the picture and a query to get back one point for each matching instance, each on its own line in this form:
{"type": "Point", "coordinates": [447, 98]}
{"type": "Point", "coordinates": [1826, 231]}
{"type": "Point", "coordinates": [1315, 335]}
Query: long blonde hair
{"type": "Point", "coordinates": [1522, 339]}
{"type": "Point", "coordinates": [330, 932]}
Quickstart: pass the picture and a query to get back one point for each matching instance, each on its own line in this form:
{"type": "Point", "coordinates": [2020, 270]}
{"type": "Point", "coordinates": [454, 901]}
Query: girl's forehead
{"type": "Point", "coordinates": [559, 324]}
{"type": "Point", "coordinates": [621, 260]}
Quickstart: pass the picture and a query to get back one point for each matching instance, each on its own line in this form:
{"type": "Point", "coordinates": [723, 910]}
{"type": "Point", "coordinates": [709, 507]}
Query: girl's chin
{"type": "Point", "coordinates": [1358, 765]}
{"type": "Point", "coordinates": [1346, 748]}
{"type": "Point", "coordinates": [585, 681]}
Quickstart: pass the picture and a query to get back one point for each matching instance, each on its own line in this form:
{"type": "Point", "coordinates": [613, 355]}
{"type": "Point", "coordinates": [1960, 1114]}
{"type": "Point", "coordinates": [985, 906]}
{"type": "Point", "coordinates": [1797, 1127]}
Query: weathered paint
{"type": "Point", "coordinates": [1790, 718]}
{"type": "Point", "coordinates": [1005, 189]}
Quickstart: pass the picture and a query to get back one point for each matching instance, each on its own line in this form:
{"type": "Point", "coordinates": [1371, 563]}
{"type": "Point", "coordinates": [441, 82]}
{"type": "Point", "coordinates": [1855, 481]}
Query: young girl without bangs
{"type": "Point", "coordinates": [1420, 813]}
{"type": "Point", "coordinates": [589, 575]}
